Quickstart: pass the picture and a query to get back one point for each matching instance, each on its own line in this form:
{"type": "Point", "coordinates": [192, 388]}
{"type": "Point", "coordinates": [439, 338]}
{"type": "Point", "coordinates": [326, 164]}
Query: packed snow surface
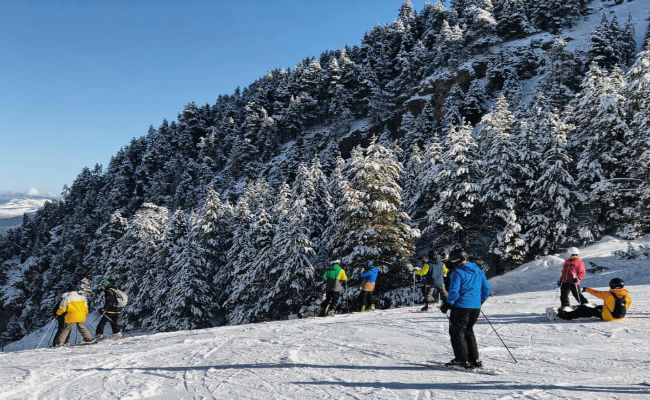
{"type": "Point", "coordinates": [373, 355]}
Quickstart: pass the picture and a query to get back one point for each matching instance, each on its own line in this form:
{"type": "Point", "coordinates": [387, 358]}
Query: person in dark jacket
{"type": "Point", "coordinates": [333, 277]}
{"type": "Point", "coordinates": [110, 312]}
{"type": "Point", "coordinates": [432, 271]}
{"type": "Point", "coordinates": [368, 277]}
{"type": "Point", "coordinates": [468, 289]}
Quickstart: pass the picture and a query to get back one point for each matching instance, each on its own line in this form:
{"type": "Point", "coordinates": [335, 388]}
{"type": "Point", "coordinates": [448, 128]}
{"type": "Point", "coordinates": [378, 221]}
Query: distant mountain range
{"type": "Point", "coordinates": [14, 205]}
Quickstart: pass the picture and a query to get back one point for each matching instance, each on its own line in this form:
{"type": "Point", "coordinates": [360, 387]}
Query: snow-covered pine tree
{"type": "Point", "coordinates": [602, 162]}
{"type": "Point", "coordinates": [550, 213]}
{"type": "Point", "coordinates": [560, 79]}
{"type": "Point", "coordinates": [481, 27]}
{"type": "Point", "coordinates": [409, 181]}
{"type": "Point", "coordinates": [427, 187]}
{"type": "Point", "coordinates": [512, 21]}
{"type": "Point", "coordinates": [605, 44]}
{"type": "Point", "coordinates": [637, 94]}
{"type": "Point", "coordinates": [474, 104]}
{"type": "Point", "coordinates": [500, 185]}
{"type": "Point", "coordinates": [291, 273]}
{"type": "Point", "coordinates": [249, 258]}
{"type": "Point", "coordinates": [370, 223]}
{"type": "Point", "coordinates": [135, 262]}
{"type": "Point", "coordinates": [215, 219]}
{"type": "Point", "coordinates": [452, 108]}
{"type": "Point", "coordinates": [190, 303]}
{"type": "Point", "coordinates": [453, 218]}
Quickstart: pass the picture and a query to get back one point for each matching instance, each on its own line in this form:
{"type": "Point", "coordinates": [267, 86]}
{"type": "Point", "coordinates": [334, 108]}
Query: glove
{"type": "Point", "coordinates": [444, 308]}
{"type": "Point", "coordinates": [559, 282]}
{"type": "Point", "coordinates": [575, 279]}
{"type": "Point", "coordinates": [417, 269]}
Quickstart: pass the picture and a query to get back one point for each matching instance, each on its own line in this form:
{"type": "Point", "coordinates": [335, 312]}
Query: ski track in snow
{"type": "Point", "coordinates": [374, 355]}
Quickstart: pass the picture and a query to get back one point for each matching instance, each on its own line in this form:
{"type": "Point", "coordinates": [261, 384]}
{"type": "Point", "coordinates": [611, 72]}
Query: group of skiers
{"type": "Point", "coordinates": [616, 300]}
{"type": "Point", "coordinates": [73, 310]}
{"type": "Point", "coordinates": [462, 287]}
{"type": "Point", "coordinates": [459, 285]}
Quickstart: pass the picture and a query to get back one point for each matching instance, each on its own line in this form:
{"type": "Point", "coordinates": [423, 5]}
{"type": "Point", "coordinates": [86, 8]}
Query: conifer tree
{"type": "Point", "coordinates": [453, 217]}
{"type": "Point", "coordinates": [550, 212]}
{"type": "Point", "coordinates": [370, 224]}
{"type": "Point", "coordinates": [499, 184]}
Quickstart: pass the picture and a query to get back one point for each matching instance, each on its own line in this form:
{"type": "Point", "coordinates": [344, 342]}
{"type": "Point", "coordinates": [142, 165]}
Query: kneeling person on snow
{"type": "Point", "coordinates": [114, 302]}
{"type": "Point", "coordinates": [368, 277]}
{"type": "Point", "coordinates": [333, 277]}
{"type": "Point", "coordinates": [76, 309]}
{"type": "Point", "coordinates": [468, 289]}
{"type": "Point", "coordinates": [616, 302]}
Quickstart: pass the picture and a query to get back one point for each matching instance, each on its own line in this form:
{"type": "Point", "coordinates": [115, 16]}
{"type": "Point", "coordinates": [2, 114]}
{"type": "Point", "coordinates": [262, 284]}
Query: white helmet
{"type": "Point", "coordinates": [573, 250]}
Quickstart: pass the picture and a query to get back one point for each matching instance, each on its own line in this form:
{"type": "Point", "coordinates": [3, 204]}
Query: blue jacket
{"type": "Point", "coordinates": [468, 287]}
{"type": "Point", "coordinates": [370, 275]}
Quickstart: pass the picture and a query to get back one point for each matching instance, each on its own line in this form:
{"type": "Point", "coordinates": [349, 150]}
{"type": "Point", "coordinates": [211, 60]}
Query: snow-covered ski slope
{"type": "Point", "coordinates": [371, 355]}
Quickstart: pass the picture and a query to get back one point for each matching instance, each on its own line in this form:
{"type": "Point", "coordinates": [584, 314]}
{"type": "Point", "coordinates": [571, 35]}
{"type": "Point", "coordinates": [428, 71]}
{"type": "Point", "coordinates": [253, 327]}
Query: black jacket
{"type": "Point", "coordinates": [110, 300]}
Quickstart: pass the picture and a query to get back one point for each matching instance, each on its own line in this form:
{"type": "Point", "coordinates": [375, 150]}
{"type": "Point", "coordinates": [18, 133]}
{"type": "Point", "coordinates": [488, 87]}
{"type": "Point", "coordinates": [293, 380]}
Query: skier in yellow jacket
{"type": "Point", "coordinates": [75, 308]}
{"type": "Point", "coordinates": [616, 301]}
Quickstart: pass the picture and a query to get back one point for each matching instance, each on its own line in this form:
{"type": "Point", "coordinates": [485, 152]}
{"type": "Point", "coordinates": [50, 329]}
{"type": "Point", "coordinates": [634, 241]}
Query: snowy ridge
{"type": "Point", "coordinates": [18, 207]}
{"type": "Point", "coordinates": [365, 356]}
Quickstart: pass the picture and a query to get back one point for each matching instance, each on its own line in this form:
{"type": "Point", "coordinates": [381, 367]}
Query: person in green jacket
{"type": "Point", "coordinates": [333, 277]}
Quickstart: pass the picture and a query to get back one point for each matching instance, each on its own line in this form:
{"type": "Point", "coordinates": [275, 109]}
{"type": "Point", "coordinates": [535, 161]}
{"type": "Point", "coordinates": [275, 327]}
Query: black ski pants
{"type": "Point", "coordinates": [574, 289]}
{"type": "Point", "coordinates": [583, 312]}
{"type": "Point", "coordinates": [331, 300]}
{"type": "Point", "coordinates": [108, 317]}
{"type": "Point", "coordinates": [461, 333]}
{"type": "Point", "coordinates": [367, 299]}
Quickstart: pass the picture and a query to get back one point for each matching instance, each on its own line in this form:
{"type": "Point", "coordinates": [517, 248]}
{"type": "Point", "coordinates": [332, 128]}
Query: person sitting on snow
{"type": "Point", "coordinates": [573, 271]}
{"type": "Point", "coordinates": [616, 301]}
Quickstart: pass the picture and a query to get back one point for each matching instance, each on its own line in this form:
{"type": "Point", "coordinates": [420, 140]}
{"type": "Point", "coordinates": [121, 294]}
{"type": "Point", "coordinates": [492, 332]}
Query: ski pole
{"type": "Point", "coordinates": [413, 298]}
{"type": "Point", "coordinates": [497, 333]}
{"type": "Point", "coordinates": [47, 329]}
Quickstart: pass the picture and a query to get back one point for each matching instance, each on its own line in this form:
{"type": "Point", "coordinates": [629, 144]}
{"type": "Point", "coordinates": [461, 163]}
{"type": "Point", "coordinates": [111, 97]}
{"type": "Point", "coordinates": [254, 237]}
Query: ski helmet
{"type": "Point", "coordinates": [456, 257]}
{"type": "Point", "coordinates": [368, 263]}
{"type": "Point", "coordinates": [616, 283]}
{"type": "Point", "coordinates": [335, 262]}
{"type": "Point", "coordinates": [573, 251]}
{"type": "Point", "coordinates": [105, 283]}
{"type": "Point", "coordinates": [433, 255]}
{"type": "Point", "coordinates": [421, 258]}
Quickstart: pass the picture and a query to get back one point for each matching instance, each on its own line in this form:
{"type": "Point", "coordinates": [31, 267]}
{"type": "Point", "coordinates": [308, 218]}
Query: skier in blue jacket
{"type": "Point", "coordinates": [468, 289]}
{"type": "Point", "coordinates": [368, 277]}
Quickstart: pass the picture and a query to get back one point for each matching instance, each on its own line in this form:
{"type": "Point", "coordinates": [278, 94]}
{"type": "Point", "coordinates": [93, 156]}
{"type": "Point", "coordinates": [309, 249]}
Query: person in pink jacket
{"type": "Point", "coordinates": [573, 271]}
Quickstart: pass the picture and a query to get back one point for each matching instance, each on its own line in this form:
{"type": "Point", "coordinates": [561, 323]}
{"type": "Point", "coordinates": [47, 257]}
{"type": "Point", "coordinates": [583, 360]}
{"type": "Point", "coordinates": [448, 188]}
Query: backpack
{"type": "Point", "coordinates": [620, 308]}
{"type": "Point", "coordinates": [122, 298]}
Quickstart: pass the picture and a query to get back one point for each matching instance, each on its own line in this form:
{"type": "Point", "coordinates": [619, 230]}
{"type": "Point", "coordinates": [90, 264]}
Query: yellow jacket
{"type": "Point", "coordinates": [74, 306]}
{"type": "Point", "coordinates": [608, 301]}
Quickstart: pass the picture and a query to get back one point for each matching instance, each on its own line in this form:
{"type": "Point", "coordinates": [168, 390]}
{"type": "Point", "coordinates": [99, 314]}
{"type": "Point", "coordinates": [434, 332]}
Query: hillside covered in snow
{"type": "Point", "coordinates": [511, 128]}
{"type": "Point", "coordinates": [387, 354]}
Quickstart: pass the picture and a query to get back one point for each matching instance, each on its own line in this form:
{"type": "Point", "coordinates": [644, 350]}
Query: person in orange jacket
{"type": "Point", "coordinates": [616, 301]}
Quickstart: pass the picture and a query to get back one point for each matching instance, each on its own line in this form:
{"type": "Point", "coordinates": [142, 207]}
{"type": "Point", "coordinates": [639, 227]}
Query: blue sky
{"type": "Point", "coordinates": [81, 78]}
